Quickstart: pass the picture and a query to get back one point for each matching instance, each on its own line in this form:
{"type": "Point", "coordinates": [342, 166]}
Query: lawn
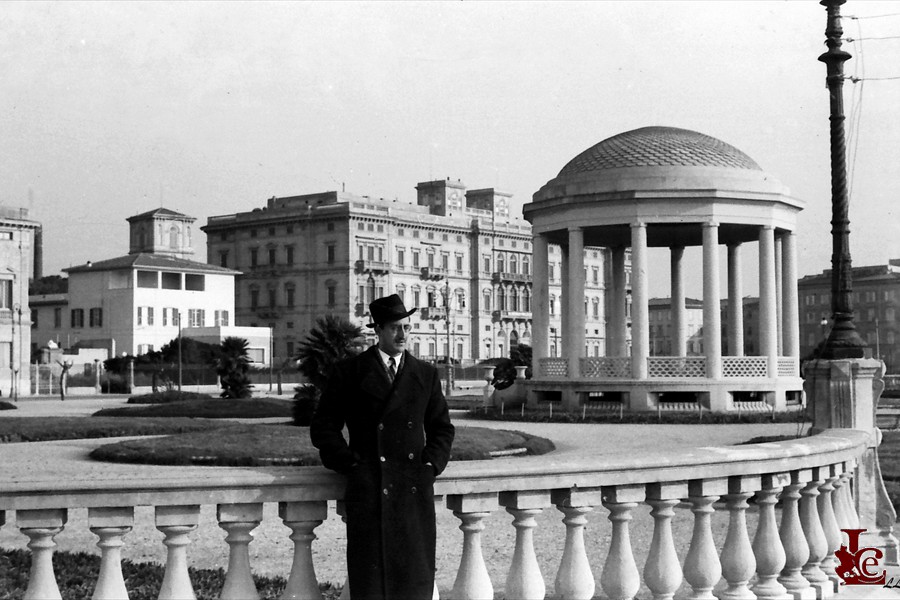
{"type": "Point", "coordinates": [42, 429]}
{"type": "Point", "coordinates": [207, 408]}
{"type": "Point", "coordinates": [249, 445]}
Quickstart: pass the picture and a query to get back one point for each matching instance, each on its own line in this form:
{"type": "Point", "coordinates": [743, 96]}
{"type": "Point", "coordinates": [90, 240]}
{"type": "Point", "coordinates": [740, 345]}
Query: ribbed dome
{"type": "Point", "coordinates": [659, 146]}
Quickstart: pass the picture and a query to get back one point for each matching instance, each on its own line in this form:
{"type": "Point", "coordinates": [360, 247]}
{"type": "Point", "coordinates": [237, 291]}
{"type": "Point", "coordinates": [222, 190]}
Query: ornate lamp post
{"type": "Point", "coordinates": [843, 341]}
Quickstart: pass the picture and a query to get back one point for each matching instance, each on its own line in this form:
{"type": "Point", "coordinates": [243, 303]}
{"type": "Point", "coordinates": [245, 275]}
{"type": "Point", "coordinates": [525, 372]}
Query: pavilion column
{"type": "Point", "coordinates": [735, 302]}
{"type": "Point", "coordinates": [620, 299]}
{"type": "Point", "coordinates": [564, 293]}
{"type": "Point", "coordinates": [712, 319]}
{"type": "Point", "coordinates": [790, 301]}
{"type": "Point", "coordinates": [575, 291]}
{"type": "Point", "coordinates": [779, 296]}
{"type": "Point", "coordinates": [640, 322]}
{"type": "Point", "coordinates": [768, 331]}
{"type": "Point", "coordinates": [540, 301]}
{"type": "Point", "coordinates": [679, 318]}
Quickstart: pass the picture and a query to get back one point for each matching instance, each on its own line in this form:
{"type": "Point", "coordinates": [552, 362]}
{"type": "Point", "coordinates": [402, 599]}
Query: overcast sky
{"type": "Point", "coordinates": [111, 109]}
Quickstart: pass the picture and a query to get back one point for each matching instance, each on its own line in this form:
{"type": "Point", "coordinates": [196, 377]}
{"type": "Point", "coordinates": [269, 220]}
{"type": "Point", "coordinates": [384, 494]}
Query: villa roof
{"type": "Point", "coordinates": [150, 261]}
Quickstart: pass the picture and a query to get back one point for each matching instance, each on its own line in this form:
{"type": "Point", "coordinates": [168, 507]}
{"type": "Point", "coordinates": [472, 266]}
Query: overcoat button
{"type": "Point", "coordinates": [385, 491]}
{"type": "Point", "coordinates": [381, 427]}
{"type": "Point", "coordinates": [382, 459]}
{"type": "Point", "coordinates": [410, 456]}
{"type": "Point", "coordinates": [414, 489]}
{"type": "Point", "coordinates": [409, 425]}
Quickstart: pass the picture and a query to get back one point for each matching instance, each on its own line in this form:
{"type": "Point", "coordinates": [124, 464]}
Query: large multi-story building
{"type": "Point", "coordinates": [19, 257]}
{"type": "Point", "coordinates": [135, 303]}
{"type": "Point", "coordinates": [456, 254]}
{"type": "Point", "coordinates": [876, 302]}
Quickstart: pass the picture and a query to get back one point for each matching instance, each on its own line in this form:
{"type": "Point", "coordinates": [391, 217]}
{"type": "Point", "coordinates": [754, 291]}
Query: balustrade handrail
{"type": "Point", "coordinates": [212, 485]}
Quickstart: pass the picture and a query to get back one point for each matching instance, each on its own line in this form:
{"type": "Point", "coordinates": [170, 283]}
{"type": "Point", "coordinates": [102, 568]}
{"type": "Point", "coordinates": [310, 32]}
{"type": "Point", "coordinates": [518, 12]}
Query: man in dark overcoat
{"type": "Point", "coordinates": [400, 435]}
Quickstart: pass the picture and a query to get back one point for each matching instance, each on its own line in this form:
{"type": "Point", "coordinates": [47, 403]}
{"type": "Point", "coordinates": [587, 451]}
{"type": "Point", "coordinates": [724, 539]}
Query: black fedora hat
{"type": "Point", "coordinates": [388, 309]}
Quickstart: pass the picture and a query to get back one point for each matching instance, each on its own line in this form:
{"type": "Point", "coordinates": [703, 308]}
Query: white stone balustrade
{"type": "Point", "coordinates": [811, 477]}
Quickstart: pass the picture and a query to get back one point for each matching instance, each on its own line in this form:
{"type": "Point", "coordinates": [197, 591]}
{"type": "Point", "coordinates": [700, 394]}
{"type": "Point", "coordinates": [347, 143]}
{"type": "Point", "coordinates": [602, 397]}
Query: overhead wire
{"type": "Point", "coordinates": [856, 100]}
{"type": "Point", "coordinates": [857, 18]}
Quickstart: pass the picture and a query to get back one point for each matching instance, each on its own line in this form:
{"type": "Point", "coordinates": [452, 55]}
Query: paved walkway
{"type": "Point", "coordinates": [68, 459]}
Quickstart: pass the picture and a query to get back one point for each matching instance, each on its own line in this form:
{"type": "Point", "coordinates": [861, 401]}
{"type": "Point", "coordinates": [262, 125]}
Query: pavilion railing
{"type": "Point", "coordinates": [664, 367]}
{"type": "Point", "coordinates": [606, 367]}
{"type": "Point", "coordinates": [810, 477]}
{"type": "Point", "coordinates": [676, 366]}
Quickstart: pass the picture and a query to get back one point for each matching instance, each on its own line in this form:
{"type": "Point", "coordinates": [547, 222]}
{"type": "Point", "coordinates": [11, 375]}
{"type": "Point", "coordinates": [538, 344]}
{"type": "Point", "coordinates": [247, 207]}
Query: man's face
{"type": "Point", "coordinates": [394, 336]}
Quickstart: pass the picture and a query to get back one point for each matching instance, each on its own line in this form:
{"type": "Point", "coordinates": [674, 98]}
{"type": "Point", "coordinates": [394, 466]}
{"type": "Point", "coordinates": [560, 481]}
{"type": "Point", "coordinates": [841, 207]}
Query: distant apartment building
{"type": "Point", "coordinates": [135, 303]}
{"type": "Point", "coordinates": [19, 242]}
{"type": "Point", "coordinates": [456, 254]}
{"type": "Point", "coordinates": [876, 303]}
{"type": "Point", "coordinates": [662, 333]}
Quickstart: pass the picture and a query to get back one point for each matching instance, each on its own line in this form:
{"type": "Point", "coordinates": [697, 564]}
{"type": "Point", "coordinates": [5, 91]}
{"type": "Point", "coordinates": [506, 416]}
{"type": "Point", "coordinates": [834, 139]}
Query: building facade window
{"type": "Point", "coordinates": [223, 258]}
{"type": "Point", "coordinates": [254, 299]}
{"type": "Point", "coordinates": [254, 257]}
{"type": "Point", "coordinates": [289, 255]}
{"type": "Point", "coordinates": [196, 317]}
{"type": "Point", "coordinates": [272, 297]}
{"type": "Point", "coordinates": [415, 258]}
{"type": "Point", "coordinates": [221, 317]}
{"type": "Point", "coordinates": [57, 318]}
{"type": "Point", "coordinates": [401, 257]}
{"type": "Point", "coordinates": [96, 317]}
{"type": "Point", "coordinates": [272, 258]}
{"type": "Point", "coordinates": [459, 263]}
{"type": "Point", "coordinates": [330, 253]}
{"type": "Point", "coordinates": [332, 295]}
{"type": "Point", "coordinates": [289, 293]}
{"type": "Point", "coordinates": [149, 315]}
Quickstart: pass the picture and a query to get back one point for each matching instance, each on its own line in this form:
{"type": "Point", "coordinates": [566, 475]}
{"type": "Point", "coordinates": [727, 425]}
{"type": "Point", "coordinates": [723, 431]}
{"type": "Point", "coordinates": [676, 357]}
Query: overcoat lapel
{"type": "Point", "coordinates": [375, 381]}
{"type": "Point", "coordinates": [407, 382]}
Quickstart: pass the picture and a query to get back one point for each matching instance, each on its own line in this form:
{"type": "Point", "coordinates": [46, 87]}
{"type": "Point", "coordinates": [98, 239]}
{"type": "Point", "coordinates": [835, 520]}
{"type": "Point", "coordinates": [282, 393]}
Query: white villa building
{"type": "Point", "coordinates": [133, 304]}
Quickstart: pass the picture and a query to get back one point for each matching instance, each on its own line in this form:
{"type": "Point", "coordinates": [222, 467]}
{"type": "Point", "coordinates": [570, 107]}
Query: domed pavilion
{"type": "Point", "coordinates": [662, 187]}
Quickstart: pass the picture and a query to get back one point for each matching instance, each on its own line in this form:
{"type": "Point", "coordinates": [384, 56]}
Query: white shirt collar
{"type": "Point", "coordinates": [386, 358]}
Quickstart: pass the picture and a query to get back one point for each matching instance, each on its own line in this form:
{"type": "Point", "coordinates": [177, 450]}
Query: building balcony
{"type": "Point", "coordinates": [682, 487]}
{"type": "Point", "coordinates": [372, 266]}
{"type": "Point", "coordinates": [434, 273]}
{"type": "Point", "coordinates": [502, 277]}
{"type": "Point", "coordinates": [267, 313]}
{"type": "Point", "coordinates": [510, 315]}
{"type": "Point", "coordinates": [433, 312]}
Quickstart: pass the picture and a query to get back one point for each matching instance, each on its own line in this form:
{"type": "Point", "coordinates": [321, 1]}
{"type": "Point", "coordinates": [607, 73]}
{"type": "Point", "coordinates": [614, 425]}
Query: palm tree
{"type": "Point", "coordinates": [331, 340]}
{"type": "Point", "coordinates": [232, 364]}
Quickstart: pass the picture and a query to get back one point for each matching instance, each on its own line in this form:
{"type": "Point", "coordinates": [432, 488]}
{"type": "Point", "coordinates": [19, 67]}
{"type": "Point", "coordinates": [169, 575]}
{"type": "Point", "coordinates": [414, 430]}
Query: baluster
{"type": "Point", "coordinates": [239, 520]}
{"type": "Point", "coordinates": [662, 572]}
{"type": "Point", "coordinates": [621, 579]}
{"type": "Point", "coordinates": [342, 511]}
{"type": "Point", "coordinates": [524, 580]}
{"type": "Point", "coordinates": [302, 518]}
{"type": "Point", "coordinates": [702, 569]}
{"type": "Point", "coordinates": [796, 548]}
{"type": "Point", "coordinates": [767, 547]}
{"type": "Point", "coordinates": [844, 520]}
{"type": "Point", "coordinates": [829, 523]}
{"type": "Point", "coordinates": [574, 579]}
{"type": "Point", "coordinates": [815, 536]}
{"type": "Point", "coordinates": [848, 500]}
{"type": "Point", "coordinates": [738, 562]}
{"type": "Point", "coordinates": [472, 579]}
{"type": "Point", "coordinates": [176, 522]}
{"type": "Point", "coordinates": [110, 525]}
{"type": "Point", "coordinates": [41, 526]}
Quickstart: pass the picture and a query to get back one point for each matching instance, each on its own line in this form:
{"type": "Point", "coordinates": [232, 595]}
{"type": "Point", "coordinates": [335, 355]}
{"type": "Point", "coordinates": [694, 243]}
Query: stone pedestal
{"type": "Point", "coordinates": [844, 394]}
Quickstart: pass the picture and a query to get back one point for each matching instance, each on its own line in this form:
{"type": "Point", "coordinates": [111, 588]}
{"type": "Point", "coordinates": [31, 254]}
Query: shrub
{"type": "Point", "coordinates": [4, 405]}
{"type": "Point", "coordinates": [167, 397]}
{"type": "Point", "coordinates": [43, 429]}
{"type": "Point", "coordinates": [306, 399]}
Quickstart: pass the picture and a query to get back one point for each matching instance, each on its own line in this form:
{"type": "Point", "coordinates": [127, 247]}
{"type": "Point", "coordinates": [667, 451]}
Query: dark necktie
{"type": "Point", "coordinates": [392, 369]}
